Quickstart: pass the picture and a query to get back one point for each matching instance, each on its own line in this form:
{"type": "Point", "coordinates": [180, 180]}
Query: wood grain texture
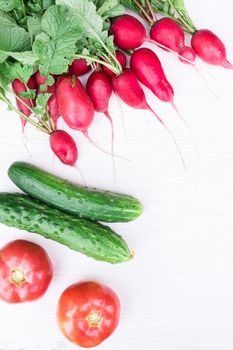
{"type": "Point", "coordinates": [177, 292]}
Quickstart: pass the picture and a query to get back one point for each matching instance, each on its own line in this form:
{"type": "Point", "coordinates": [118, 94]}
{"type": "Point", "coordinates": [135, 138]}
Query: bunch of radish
{"type": "Point", "coordinates": [76, 104]}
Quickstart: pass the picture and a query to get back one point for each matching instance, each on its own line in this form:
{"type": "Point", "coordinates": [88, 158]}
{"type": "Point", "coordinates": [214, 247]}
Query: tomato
{"type": "Point", "coordinates": [25, 271]}
{"type": "Point", "coordinates": [88, 313]}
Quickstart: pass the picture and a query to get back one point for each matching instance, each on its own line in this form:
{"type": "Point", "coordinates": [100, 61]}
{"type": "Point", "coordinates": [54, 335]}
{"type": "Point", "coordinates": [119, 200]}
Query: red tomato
{"type": "Point", "coordinates": [88, 313]}
{"type": "Point", "coordinates": [25, 271]}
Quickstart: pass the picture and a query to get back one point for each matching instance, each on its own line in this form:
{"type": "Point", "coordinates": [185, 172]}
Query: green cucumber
{"type": "Point", "coordinates": [87, 237]}
{"type": "Point", "coordinates": [81, 201]}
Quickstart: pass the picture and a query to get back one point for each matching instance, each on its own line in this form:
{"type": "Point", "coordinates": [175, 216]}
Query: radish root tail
{"type": "Point", "coordinates": [226, 64]}
{"type": "Point", "coordinates": [100, 148]}
{"type": "Point", "coordinates": [112, 144]}
{"type": "Point", "coordinates": [187, 126]}
{"type": "Point", "coordinates": [24, 140]}
{"type": "Point", "coordinates": [206, 82]}
{"type": "Point", "coordinates": [81, 175]}
{"type": "Point", "coordinates": [171, 134]}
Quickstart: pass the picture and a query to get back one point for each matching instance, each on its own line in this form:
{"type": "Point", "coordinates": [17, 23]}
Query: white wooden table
{"type": "Point", "coordinates": [177, 293]}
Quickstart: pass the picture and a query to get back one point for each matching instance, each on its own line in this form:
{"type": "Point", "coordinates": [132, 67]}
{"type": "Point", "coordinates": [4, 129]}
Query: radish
{"type": "Point", "coordinates": [129, 33]}
{"type": "Point", "coordinates": [121, 59]}
{"type": "Point", "coordinates": [210, 48]}
{"type": "Point", "coordinates": [149, 71]}
{"type": "Point", "coordinates": [52, 104]}
{"type": "Point", "coordinates": [187, 55]}
{"type": "Point", "coordinates": [127, 87]}
{"type": "Point", "coordinates": [74, 104]}
{"type": "Point", "coordinates": [22, 103]}
{"type": "Point", "coordinates": [31, 84]}
{"type": "Point", "coordinates": [170, 35]}
{"type": "Point", "coordinates": [40, 79]}
{"type": "Point", "coordinates": [99, 89]}
{"type": "Point", "coordinates": [53, 108]}
{"type": "Point", "coordinates": [79, 67]}
{"type": "Point", "coordinates": [168, 32]}
{"type": "Point", "coordinates": [64, 147]}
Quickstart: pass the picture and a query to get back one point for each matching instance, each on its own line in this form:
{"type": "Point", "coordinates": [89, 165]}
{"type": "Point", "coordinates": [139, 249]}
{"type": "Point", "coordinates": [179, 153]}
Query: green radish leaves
{"type": "Point", "coordinates": [41, 104]}
{"type": "Point", "coordinates": [31, 93]}
{"type": "Point", "coordinates": [34, 26]}
{"type": "Point", "coordinates": [93, 27]}
{"type": "Point", "coordinates": [26, 57]}
{"type": "Point", "coordinates": [12, 71]}
{"type": "Point", "coordinates": [5, 75]}
{"type": "Point", "coordinates": [86, 15]}
{"type": "Point", "coordinates": [7, 6]}
{"type": "Point", "coordinates": [109, 8]}
{"type": "Point", "coordinates": [175, 9]}
{"type": "Point", "coordinates": [55, 48]}
{"type": "Point", "coordinates": [171, 8]}
{"type": "Point", "coordinates": [130, 4]}
{"type": "Point", "coordinates": [13, 38]}
{"type": "Point", "coordinates": [18, 71]}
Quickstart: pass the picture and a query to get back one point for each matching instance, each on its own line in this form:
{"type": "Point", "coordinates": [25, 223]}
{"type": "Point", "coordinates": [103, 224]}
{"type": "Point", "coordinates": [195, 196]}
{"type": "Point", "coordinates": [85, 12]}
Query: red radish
{"type": "Point", "coordinates": [19, 87]}
{"type": "Point", "coordinates": [149, 70]}
{"type": "Point", "coordinates": [187, 55]}
{"type": "Point", "coordinates": [31, 84]}
{"type": "Point", "coordinates": [40, 79]}
{"type": "Point", "coordinates": [64, 147]}
{"type": "Point", "coordinates": [121, 59]}
{"type": "Point", "coordinates": [79, 67]}
{"type": "Point", "coordinates": [53, 108]}
{"type": "Point", "coordinates": [210, 48]}
{"type": "Point", "coordinates": [128, 31]}
{"type": "Point", "coordinates": [129, 90]}
{"type": "Point", "coordinates": [99, 89]}
{"type": "Point", "coordinates": [52, 102]}
{"type": "Point", "coordinates": [74, 104]}
{"type": "Point", "coordinates": [169, 33]}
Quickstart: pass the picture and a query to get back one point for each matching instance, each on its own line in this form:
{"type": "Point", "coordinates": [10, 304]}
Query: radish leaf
{"type": "Point", "coordinates": [130, 4]}
{"type": "Point", "coordinates": [34, 26]}
{"type": "Point", "coordinates": [13, 38]}
{"type": "Point", "coordinates": [41, 103]}
{"type": "Point", "coordinates": [92, 25]}
{"type": "Point", "coordinates": [109, 8]}
{"type": "Point", "coordinates": [18, 71]}
{"type": "Point", "coordinates": [56, 46]}
{"type": "Point", "coordinates": [30, 93]}
{"type": "Point", "coordinates": [174, 9]}
{"type": "Point", "coordinates": [7, 6]}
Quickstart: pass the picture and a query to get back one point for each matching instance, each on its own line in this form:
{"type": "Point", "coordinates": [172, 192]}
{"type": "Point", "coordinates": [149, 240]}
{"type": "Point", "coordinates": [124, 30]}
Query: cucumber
{"type": "Point", "coordinates": [81, 201]}
{"type": "Point", "coordinates": [87, 237]}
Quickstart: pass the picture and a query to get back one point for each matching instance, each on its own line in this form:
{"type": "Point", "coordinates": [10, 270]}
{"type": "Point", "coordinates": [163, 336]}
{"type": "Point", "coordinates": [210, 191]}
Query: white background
{"type": "Point", "coordinates": [177, 293]}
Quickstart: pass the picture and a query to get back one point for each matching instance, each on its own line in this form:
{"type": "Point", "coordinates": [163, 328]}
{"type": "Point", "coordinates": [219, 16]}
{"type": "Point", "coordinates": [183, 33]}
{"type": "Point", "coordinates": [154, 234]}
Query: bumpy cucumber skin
{"type": "Point", "coordinates": [81, 201]}
{"type": "Point", "coordinates": [87, 237]}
